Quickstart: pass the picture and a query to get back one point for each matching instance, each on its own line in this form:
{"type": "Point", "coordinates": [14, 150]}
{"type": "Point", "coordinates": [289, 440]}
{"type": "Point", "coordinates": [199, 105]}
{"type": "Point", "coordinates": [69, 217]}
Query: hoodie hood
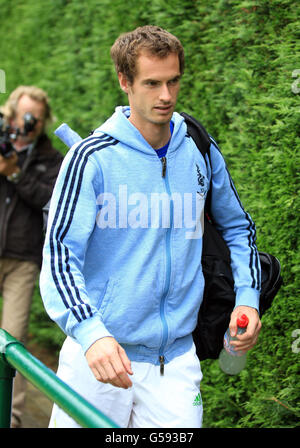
{"type": "Point", "coordinates": [119, 127]}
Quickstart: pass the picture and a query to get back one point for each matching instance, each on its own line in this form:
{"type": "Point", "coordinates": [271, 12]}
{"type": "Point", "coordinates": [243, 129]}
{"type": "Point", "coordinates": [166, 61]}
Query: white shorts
{"type": "Point", "coordinates": [172, 400]}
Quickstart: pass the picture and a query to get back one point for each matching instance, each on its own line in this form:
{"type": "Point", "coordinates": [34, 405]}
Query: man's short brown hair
{"type": "Point", "coordinates": [149, 39]}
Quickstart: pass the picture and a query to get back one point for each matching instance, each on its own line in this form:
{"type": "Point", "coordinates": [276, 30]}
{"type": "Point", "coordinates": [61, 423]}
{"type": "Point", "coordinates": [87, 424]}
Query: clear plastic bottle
{"type": "Point", "coordinates": [230, 360]}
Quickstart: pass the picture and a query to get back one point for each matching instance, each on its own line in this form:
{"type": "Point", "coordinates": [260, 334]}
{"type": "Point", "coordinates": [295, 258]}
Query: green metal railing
{"type": "Point", "coordinates": [14, 356]}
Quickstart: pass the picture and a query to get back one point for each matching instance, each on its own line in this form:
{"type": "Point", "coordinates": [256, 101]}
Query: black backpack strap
{"type": "Point", "coordinates": [198, 133]}
{"type": "Point", "coordinates": [200, 136]}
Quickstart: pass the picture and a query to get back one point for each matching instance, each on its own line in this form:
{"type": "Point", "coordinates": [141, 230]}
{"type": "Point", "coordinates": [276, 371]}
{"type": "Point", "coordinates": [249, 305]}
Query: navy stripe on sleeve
{"type": "Point", "coordinates": [60, 225]}
{"type": "Point", "coordinates": [254, 256]}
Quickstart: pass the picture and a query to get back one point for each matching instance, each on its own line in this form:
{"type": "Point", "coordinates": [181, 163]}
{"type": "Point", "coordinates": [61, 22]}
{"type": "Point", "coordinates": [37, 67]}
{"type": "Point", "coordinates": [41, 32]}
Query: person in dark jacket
{"type": "Point", "coordinates": [27, 178]}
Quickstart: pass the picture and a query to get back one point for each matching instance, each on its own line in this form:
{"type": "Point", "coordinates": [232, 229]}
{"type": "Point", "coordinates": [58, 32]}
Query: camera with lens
{"type": "Point", "coordinates": [8, 134]}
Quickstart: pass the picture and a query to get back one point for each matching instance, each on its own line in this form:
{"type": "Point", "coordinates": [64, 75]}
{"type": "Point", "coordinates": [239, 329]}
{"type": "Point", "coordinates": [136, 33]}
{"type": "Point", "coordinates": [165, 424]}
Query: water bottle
{"type": "Point", "coordinates": [230, 360]}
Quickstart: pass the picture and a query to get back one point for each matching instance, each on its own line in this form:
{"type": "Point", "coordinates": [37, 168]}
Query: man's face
{"type": "Point", "coordinates": [152, 95]}
{"type": "Point", "coordinates": [37, 109]}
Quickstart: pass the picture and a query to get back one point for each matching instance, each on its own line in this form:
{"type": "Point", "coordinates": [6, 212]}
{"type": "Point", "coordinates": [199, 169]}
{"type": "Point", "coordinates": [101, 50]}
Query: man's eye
{"type": "Point", "coordinates": [174, 81]}
{"type": "Point", "coordinates": [152, 83]}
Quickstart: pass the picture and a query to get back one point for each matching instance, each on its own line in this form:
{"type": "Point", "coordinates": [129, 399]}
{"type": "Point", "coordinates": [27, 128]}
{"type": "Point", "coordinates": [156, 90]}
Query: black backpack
{"type": "Point", "coordinates": [219, 296]}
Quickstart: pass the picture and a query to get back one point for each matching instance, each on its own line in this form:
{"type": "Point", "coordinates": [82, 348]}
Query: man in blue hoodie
{"type": "Point", "coordinates": [122, 271]}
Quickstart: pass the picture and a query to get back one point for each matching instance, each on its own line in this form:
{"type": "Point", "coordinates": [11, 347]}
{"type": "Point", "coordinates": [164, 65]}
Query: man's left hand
{"type": "Point", "coordinates": [247, 340]}
{"type": "Point", "coordinates": [8, 165]}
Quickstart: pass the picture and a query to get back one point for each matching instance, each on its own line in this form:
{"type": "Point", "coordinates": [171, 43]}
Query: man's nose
{"type": "Point", "coordinates": [164, 94]}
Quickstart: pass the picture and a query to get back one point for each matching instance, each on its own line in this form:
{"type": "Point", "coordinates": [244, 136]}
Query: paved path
{"type": "Point", "coordinates": [37, 409]}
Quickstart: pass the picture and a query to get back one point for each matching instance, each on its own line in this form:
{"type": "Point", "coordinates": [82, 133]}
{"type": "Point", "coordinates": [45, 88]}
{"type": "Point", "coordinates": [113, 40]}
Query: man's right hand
{"type": "Point", "coordinates": [109, 362]}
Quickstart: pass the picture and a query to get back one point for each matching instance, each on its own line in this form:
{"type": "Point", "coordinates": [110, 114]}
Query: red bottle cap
{"type": "Point", "coordinates": [242, 321]}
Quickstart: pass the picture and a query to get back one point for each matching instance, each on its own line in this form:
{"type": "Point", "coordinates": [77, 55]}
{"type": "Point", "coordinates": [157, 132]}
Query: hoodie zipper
{"type": "Point", "coordinates": [168, 271]}
{"type": "Point", "coordinates": [164, 166]}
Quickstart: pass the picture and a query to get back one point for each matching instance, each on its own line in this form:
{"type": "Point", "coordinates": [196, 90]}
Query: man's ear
{"type": "Point", "coordinates": [124, 84]}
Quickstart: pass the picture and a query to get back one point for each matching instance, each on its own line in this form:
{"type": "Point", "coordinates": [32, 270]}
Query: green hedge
{"type": "Point", "coordinates": [240, 57]}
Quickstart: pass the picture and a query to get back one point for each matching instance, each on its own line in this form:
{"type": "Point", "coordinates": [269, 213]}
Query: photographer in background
{"type": "Point", "coordinates": [28, 169]}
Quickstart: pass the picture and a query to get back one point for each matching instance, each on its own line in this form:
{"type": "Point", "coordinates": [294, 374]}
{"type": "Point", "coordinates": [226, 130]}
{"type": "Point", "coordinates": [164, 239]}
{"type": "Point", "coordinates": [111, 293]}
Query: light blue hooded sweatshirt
{"type": "Point", "coordinates": [122, 254]}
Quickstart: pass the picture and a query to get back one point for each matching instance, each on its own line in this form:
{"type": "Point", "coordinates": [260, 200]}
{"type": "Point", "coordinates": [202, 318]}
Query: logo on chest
{"type": "Point", "coordinates": [202, 182]}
